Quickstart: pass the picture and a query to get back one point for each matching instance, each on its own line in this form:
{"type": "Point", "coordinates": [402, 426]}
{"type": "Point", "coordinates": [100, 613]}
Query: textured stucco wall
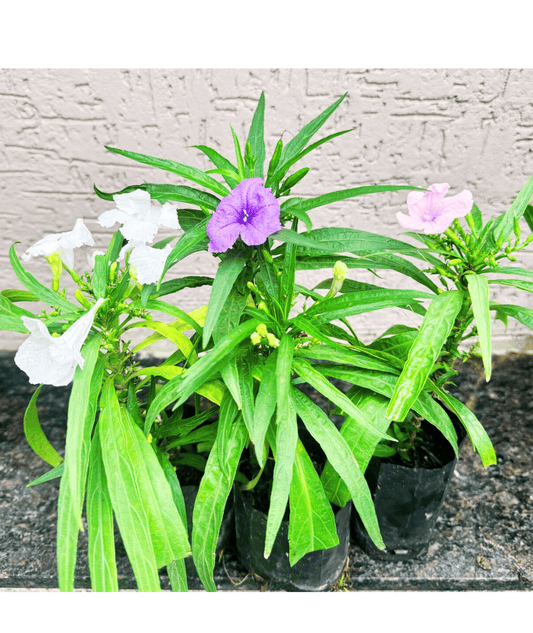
{"type": "Point", "coordinates": [472, 128]}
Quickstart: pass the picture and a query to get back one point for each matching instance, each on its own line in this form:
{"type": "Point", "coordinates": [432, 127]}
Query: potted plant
{"type": "Point", "coordinates": [408, 478]}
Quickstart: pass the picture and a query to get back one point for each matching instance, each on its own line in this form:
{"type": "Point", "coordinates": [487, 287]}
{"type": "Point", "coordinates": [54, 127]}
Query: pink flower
{"type": "Point", "coordinates": [431, 213]}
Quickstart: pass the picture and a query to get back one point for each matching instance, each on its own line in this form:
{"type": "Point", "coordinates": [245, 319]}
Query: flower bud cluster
{"type": "Point", "coordinates": [261, 333]}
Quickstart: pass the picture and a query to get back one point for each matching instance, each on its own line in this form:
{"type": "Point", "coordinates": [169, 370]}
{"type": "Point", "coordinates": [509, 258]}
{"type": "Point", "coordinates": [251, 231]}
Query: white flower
{"type": "Point", "coordinates": [149, 262]}
{"type": "Point", "coordinates": [139, 216]}
{"type": "Point", "coordinates": [53, 360]}
{"type": "Point", "coordinates": [62, 243]}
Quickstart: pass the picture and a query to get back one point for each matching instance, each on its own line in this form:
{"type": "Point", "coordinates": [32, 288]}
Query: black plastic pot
{"type": "Point", "coordinates": [408, 502]}
{"type": "Point", "coordinates": [316, 571]}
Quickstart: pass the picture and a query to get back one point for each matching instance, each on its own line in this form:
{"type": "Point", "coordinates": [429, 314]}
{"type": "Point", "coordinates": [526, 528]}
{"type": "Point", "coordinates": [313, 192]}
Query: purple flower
{"type": "Point", "coordinates": [250, 211]}
{"type": "Point", "coordinates": [431, 213]}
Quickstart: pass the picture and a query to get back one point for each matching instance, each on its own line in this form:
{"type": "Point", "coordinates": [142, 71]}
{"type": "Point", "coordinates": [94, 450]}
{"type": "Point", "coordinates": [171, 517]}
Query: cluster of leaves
{"type": "Point", "coordinates": [249, 350]}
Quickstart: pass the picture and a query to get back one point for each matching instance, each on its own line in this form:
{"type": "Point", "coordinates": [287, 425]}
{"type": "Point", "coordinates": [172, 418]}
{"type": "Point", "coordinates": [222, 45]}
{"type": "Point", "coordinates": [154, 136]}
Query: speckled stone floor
{"type": "Point", "coordinates": [483, 540]}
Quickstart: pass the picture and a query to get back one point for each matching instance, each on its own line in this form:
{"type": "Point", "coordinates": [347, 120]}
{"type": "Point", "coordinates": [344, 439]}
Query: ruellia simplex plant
{"type": "Point", "coordinates": [250, 347]}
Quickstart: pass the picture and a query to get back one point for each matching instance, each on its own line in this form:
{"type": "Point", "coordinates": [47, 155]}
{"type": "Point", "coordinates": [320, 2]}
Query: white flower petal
{"type": "Point", "coordinates": [149, 262]}
{"type": "Point", "coordinates": [134, 203]}
{"type": "Point", "coordinates": [108, 218]}
{"type": "Point", "coordinates": [169, 216]}
{"type": "Point", "coordinates": [62, 243]}
{"type": "Point", "coordinates": [53, 360]}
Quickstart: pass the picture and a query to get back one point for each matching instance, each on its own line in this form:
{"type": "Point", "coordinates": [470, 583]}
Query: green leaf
{"type": "Point", "coordinates": [286, 282]}
{"type": "Point", "coordinates": [238, 155]}
{"type": "Point", "coordinates": [321, 384]}
{"type": "Point", "coordinates": [297, 143]}
{"type": "Point", "coordinates": [354, 303]}
{"type": "Point", "coordinates": [345, 356]}
{"type": "Point", "coordinates": [361, 443]}
{"type": "Point", "coordinates": [35, 435]}
{"type": "Point", "coordinates": [246, 388]}
{"type": "Point", "coordinates": [478, 289]}
{"type": "Point", "coordinates": [432, 335]}
{"type": "Point", "coordinates": [19, 295]}
{"type": "Point", "coordinates": [191, 173]}
{"type": "Point", "coordinates": [503, 225]}
{"type": "Point", "coordinates": [265, 405]}
{"type": "Point", "coordinates": [55, 473]}
{"type": "Point", "coordinates": [100, 527]}
{"type": "Point", "coordinates": [49, 297]}
{"type": "Point", "coordinates": [478, 436]}
{"type": "Point", "coordinates": [280, 173]}
{"type": "Point", "coordinates": [80, 420]}
{"type": "Point", "coordinates": [12, 324]}
{"type": "Point", "coordinates": [341, 457]}
{"type": "Point", "coordinates": [311, 522]}
{"type": "Point", "coordinates": [256, 137]}
{"type": "Point", "coordinates": [168, 193]}
{"type": "Point", "coordinates": [175, 285]}
{"type": "Point", "coordinates": [283, 444]}
{"type": "Point", "coordinates": [222, 163]}
{"type": "Point", "coordinates": [228, 270]}
{"type": "Point", "coordinates": [344, 194]}
{"type": "Point", "coordinates": [180, 388]}
{"type": "Point", "coordinates": [186, 245]}
{"type": "Point", "coordinates": [516, 283]}
{"type": "Point", "coordinates": [213, 493]}
{"type": "Point", "coordinates": [523, 315]}
{"type": "Point", "coordinates": [384, 383]}
{"type": "Point", "coordinates": [152, 530]}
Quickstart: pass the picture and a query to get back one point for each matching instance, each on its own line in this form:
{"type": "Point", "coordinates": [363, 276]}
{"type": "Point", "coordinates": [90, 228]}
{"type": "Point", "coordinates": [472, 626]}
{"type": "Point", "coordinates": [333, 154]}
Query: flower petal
{"type": "Point", "coordinates": [412, 222]}
{"type": "Point", "coordinates": [458, 206]}
{"type": "Point", "coordinates": [75, 336]}
{"type": "Point", "coordinates": [169, 216]}
{"type": "Point", "coordinates": [149, 262]}
{"type": "Point", "coordinates": [136, 202]}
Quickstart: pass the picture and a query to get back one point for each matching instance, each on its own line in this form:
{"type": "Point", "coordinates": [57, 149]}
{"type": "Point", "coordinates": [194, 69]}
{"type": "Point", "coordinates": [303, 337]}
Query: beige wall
{"type": "Point", "coordinates": [470, 128]}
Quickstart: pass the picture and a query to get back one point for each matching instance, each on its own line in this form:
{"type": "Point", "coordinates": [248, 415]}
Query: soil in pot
{"type": "Point", "coordinates": [408, 498]}
{"type": "Point", "coordinates": [316, 571]}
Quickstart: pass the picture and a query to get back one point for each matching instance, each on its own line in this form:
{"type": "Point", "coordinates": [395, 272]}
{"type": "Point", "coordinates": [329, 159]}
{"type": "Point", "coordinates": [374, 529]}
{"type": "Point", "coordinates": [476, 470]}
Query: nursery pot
{"type": "Point", "coordinates": [408, 502]}
{"type": "Point", "coordinates": [316, 571]}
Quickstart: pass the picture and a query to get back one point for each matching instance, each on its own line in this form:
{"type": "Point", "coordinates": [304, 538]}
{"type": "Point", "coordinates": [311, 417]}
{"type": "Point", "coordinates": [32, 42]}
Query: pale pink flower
{"type": "Point", "coordinates": [431, 212]}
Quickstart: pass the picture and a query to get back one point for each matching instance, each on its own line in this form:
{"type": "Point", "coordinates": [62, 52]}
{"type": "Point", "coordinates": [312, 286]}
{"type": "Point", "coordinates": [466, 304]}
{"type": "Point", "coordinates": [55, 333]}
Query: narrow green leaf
{"type": "Point", "coordinates": [283, 446]}
{"type": "Point", "coordinates": [246, 388]}
{"type": "Point", "coordinates": [238, 155]}
{"type": "Point", "coordinates": [433, 333]}
{"type": "Point", "coordinates": [211, 501]}
{"type": "Point", "coordinates": [99, 280]}
{"type": "Point", "coordinates": [311, 522]}
{"type": "Point", "coordinates": [516, 283]}
{"type": "Point", "coordinates": [223, 164]}
{"type": "Point", "coordinates": [168, 193]}
{"type": "Point", "coordinates": [19, 295]}
{"type": "Point", "coordinates": [523, 315]}
{"type": "Point", "coordinates": [191, 173]}
{"type": "Point", "coordinates": [186, 245]}
{"type": "Point", "coordinates": [55, 473]}
{"type": "Point", "coordinates": [503, 225]}
{"type": "Point", "coordinates": [228, 270]}
{"type": "Point", "coordinates": [80, 420]}
{"type": "Point", "coordinates": [35, 435]}
{"type": "Point", "coordinates": [297, 143]}
{"type": "Point", "coordinates": [13, 323]}
{"type": "Point", "coordinates": [478, 436]}
{"type": "Point", "coordinates": [265, 405]}
{"type": "Point", "coordinates": [321, 384]}
{"type": "Point", "coordinates": [180, 388]}
{"type": "Point", "coordinates": [354, 303]}
{"type": "Point", "coordinates": [149, 522]}
{"type": "Point", "coordinates": [100, 526]}
{"type": "Point", "coordinates": [343, 194]}
{"type": "Point", "coordinates": [256, 137]}
{"type": "Point", "coordinates": [341, 457]}
{"type": "Point", "coordinates": [175, 285]}
{"type": "Point", "coordinates": [361, 443]}
{"type": "Point", "coordinates": [478, 289]}
{"type": "Point", "coordinates": [49, 297]}
{"type": "Point", "coordinates": [228, 413]}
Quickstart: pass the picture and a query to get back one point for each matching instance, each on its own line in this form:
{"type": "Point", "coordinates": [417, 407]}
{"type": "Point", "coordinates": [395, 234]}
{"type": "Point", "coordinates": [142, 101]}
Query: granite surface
{"type": "Point", "coordinates": [482, 542]}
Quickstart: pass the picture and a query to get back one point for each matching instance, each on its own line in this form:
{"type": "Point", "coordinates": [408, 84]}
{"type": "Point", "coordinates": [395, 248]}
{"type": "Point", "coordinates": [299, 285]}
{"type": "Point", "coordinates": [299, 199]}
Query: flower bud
{"type": "Point", "coordinates": [272, 340]}
{"type": "Point", "coordinates": [255, 338]}
{"type": "Point", "coordinates": [261, 329]}
{"type": "Point", "coordinates": [340, 271]}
